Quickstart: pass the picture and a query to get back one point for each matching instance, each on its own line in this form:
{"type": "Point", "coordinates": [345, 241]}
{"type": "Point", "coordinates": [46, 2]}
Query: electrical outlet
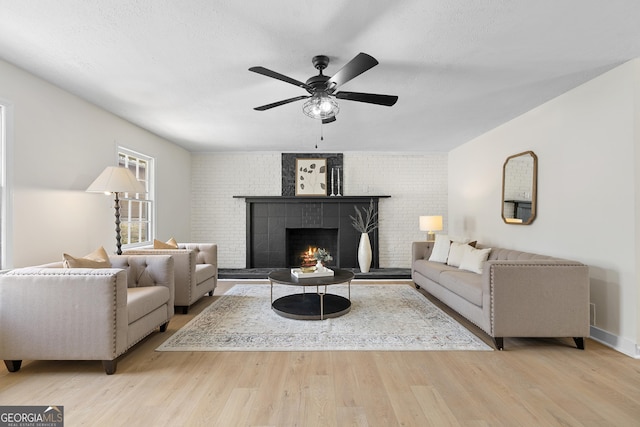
{"type": "Point", "coordinates": [592, 314]}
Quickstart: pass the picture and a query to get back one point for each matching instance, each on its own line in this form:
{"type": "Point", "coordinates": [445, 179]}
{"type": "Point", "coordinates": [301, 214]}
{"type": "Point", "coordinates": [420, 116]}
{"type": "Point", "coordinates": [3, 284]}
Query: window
{"type": "Point", "coordinates": [137, 210]}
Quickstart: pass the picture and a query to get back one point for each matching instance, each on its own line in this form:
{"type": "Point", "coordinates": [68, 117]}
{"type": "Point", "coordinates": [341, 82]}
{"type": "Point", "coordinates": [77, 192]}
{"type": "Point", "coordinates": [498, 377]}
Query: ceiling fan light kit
{"type": "Point", "coordinates": [320, 106]}
{"type": "Point", "coordinates": [320, 103]}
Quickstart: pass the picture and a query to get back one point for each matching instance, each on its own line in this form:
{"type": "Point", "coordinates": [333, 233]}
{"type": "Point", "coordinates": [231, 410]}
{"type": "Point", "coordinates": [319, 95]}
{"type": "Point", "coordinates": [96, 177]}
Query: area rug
{"type": "Point", "coordinates": [382, 317]}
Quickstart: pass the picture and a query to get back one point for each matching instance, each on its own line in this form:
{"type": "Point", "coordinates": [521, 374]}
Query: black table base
{"type": "Point", "coordinates": [307, 306]}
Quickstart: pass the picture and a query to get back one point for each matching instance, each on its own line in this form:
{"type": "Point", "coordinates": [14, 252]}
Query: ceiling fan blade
{"type": "Point", "coordinates": [358, 65]}
{"type": "Point", "coordinates": [371, 98]}
{"type": "Point", "coordinates": [282, 77]}
{"type": "Point", "coordinates": [329, 120]}
{"type": "Point", "coordinates": [279, 103]}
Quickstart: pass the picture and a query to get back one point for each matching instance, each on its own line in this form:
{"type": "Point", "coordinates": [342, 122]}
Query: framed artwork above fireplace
{"type": "Point", "coordinates": [311, 177]}
{"type": "Point", "coordinates": [333, 163]}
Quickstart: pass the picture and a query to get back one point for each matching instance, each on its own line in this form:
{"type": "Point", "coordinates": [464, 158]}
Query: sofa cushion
{"type": "Point", "coordinates": [143, 300]}
{"type": "Point", "coordinates": [456, 252]}
{"type": "Point", "coordinates": [502, 254]}
{"type": "Point", "coordinates": [473, 259]}
{"type": "Point", "coordinates": [431, 269]}
{"type": "Point", "coordinates": [96, 259]}
{"type": "Point", "coordinates": [466, 284]}
{"type": "Point", "coordinates": [440, 250]}
{"type": "Point", "coordinates": [204, 272]}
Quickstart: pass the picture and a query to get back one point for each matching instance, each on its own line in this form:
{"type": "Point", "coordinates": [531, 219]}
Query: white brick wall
{"type": "Point", "coordinates": [417, 184]}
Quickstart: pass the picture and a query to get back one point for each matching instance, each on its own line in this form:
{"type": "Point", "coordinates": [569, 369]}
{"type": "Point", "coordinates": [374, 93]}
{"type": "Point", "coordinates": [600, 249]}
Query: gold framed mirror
{"type": "Point", "coordinates": [519, 188]}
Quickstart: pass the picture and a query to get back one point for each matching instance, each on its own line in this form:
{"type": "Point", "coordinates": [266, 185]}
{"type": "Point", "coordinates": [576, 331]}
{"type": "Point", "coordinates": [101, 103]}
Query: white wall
{"type": "Point", "coordinates": [417, 184]}
{"type": "Point", "coordinates": [636, 116]}
{"type": "Point", "coordinates": [587, 191]}
{"type": "Point", "coordinates": [60, 145]}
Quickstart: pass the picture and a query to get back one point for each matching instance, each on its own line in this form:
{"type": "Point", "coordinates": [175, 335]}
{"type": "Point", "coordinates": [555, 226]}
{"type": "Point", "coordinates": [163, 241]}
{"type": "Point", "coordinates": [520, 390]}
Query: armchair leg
{"type": "Point", "coordinates": [164, 326]}
{"type": "Point", "coordinates": [579, 342]}
{"type": "Point", "coordinates": [499, 341]}
{"type": "Point", "coordinates": [13, 365]}
{"type": "Point", "coordinates": [109, 366]}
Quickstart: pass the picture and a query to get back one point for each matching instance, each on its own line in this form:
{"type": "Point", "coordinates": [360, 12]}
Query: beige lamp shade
{"type": "Point", "coordinates": [430, 224]}
{"type": "Point", "coordinates": [116, 180]}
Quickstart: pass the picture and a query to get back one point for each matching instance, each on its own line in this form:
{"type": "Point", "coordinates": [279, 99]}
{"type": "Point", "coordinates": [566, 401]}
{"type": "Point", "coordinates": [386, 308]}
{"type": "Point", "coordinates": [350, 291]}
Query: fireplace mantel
{"type": "Point", "coordinates": [306, 199]}
{"type": "Point", "coordinates": [269, 218]}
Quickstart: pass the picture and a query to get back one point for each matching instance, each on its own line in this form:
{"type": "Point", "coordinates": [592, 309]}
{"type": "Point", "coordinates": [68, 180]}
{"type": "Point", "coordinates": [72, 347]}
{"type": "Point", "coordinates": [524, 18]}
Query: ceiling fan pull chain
{"type": "Point", "coordinates": [321, 134]}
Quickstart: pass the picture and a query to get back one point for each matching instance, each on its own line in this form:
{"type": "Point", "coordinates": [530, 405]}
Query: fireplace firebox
{"type": "Point", "coordinates": [277, 224]}
{"type": "Point", "coordinates": [300, 240]}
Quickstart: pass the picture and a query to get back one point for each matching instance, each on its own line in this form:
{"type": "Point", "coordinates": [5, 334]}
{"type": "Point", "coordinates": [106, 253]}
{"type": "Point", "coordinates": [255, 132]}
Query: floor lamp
{"type": "Point", "coordinates": [115, 180]}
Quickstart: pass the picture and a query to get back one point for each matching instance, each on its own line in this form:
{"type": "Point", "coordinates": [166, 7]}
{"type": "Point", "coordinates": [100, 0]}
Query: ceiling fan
{"type": "Point", "coordinates": [320, 102]}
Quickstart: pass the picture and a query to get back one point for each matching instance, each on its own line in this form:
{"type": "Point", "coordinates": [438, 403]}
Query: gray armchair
{"type": "Point", "coordinates": [54, 313]}
{"type": "Point", "coordinates": [196, 270]}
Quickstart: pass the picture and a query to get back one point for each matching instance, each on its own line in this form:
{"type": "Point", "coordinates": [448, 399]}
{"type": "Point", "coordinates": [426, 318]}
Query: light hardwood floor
{"type": "Point", "coordinates": [534, 382]}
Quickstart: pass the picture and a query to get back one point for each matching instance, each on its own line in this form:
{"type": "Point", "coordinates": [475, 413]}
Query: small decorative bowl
{"type": "Point", "coordinates": [308, 269]}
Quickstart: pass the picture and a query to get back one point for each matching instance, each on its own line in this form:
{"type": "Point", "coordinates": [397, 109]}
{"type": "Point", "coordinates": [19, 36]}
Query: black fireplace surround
{"type": "Point", "coordinates": [279, 228]}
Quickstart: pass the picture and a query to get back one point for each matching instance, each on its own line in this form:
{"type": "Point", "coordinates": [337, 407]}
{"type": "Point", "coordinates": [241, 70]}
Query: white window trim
{"type": "Point", "coordinates": [6, 177]}
{"type": "Point", "coordinates": [151, 194]}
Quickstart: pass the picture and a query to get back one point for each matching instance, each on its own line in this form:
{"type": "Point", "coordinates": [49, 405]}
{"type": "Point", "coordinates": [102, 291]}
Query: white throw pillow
{"type": "Point", "coordinates": [456, 252]}
{"type": "Point", "coordinates": [440, 250]}
{"type": "Point", "coordinates": [473, 259]}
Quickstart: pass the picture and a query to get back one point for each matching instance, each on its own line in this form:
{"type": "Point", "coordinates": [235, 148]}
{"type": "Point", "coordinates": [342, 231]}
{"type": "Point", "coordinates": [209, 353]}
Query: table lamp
{"type": "Point", "coordinates": [430, 224]}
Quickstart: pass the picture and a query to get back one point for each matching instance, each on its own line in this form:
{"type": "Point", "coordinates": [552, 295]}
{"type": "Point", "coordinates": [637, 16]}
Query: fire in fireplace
{"type": "Point", "coordinates": [313, 255]}
{"type": "Point", "coordinates": [307, 258]}
{"type": "Point", "coordinates": [302, 243]}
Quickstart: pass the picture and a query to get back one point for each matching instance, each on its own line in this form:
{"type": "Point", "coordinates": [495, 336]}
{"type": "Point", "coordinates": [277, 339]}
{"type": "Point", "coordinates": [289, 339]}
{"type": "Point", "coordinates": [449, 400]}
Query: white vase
{"type": "Point", "coordinates": [364, 253]}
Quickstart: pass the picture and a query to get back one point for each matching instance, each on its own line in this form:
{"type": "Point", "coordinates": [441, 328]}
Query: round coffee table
{"type": "Point", "coordinates": [308, 305]}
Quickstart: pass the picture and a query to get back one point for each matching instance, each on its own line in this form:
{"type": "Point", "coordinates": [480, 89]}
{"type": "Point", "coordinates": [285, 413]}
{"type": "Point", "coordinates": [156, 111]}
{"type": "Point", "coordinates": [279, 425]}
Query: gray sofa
{"type": "Point", "coordinates": [54, 313]}
{"type": "Point", "coordinates": [518, 294]}
{"type": "Point", "coordinates": [196, 270]}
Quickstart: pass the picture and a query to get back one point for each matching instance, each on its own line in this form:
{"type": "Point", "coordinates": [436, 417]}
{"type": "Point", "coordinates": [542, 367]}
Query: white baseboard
{"type": "Point", "coordinates": [623, 345]}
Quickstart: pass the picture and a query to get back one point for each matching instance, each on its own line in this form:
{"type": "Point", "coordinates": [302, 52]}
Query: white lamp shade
{"type": "Point", "coordinates": [116, 180]}
{"type": "Point", "coordinates": [431, 223]}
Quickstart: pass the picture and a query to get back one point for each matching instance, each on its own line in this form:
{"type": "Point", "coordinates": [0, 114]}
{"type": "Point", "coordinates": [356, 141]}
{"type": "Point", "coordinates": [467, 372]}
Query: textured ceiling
{"type": "Point", "coordinates": [180, 68]}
